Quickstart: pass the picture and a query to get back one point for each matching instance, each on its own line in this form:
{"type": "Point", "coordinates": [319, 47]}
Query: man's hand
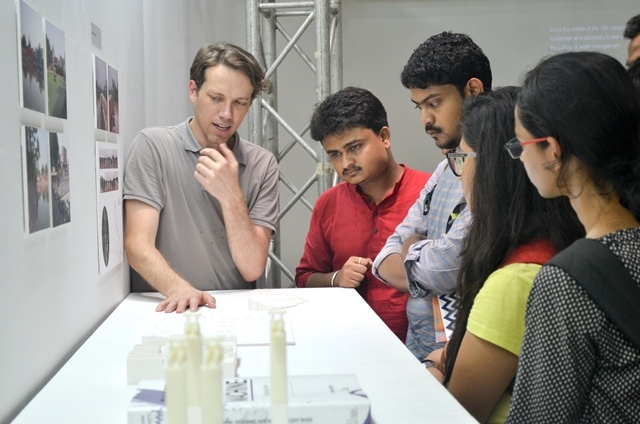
{"type": "Point", "coordinates": [352, 272]}
{"type": "Point", "coordinates": [185, 297]}
{"type": "Point", "coordinates": [217, 172]}
{"type": "Point", "coordinates": [409, 241]}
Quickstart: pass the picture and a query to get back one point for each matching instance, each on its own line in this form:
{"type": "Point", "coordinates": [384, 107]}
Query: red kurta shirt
{"type": "Point", "coordinates": [346, 223]}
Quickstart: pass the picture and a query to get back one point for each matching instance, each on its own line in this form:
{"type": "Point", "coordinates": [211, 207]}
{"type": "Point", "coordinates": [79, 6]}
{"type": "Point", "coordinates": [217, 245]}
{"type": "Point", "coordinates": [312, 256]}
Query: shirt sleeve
{"type": "Point", "coordinates": [143, 173]}
{"type": "Point", "coordinates": [432, 265]}
{"type": "Point", "coordinates": [413, 223]}
{"type": "Point", "coordinates": [498, 311]}
{"type": "Point", "coordinates": [317, 254]}
{"type": "Point", "coordinates": [264, 211]}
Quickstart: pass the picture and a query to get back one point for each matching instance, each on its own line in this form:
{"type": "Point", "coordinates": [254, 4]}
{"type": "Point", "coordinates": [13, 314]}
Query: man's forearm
{"type": "Point", "coordinates": [391, 270]}
{"type": "Point", "coordinates": [151, 265]}
{"type": "Point", "coordinates": [248, 243]}
{"type": "Point", "coordinates": [320, 279]}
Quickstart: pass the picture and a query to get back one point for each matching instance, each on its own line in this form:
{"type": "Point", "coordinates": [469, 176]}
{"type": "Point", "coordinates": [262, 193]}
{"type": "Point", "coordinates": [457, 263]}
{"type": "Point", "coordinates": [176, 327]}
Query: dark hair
{"type": "Point", "coordinates": [510, 212]}
{"type": "Point", "coordinates": [351, 107]}
{"type": "Point", "coordinates": [634, 74]}
{"type": "Point", "coordinates": [632, 29]}
{"type": "Point", "coordinates": [447, 58]}
{"type": "Point", "coordinates": [232, 56]}
{"type": "Point", "coordinates": [587, 102]}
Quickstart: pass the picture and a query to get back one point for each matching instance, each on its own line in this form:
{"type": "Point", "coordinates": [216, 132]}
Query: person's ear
{"type": "Point", "coordinates": [193, 90]}
{"type": "Point", "coordinates": [473, 87]}
{"type": "Point", "coordinates": [554, 151]}
{"type": "Point", "coordinates": [385, 135]}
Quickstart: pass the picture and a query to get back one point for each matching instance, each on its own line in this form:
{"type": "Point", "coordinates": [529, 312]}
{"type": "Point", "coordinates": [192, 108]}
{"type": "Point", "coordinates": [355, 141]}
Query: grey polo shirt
{"type": "Point", "coordinates": [191, 233]}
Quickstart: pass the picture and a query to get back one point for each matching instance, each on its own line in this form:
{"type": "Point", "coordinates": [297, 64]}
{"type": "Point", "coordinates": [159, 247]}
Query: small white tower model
{"type": "Point", "coordinates": [212, 401]}
{"type": "Point", "coordinates": [176, 383]}
{"type": "Point", "coordinates": [193, 341]}
{"type": "Point", "coordinates": [279, 413]}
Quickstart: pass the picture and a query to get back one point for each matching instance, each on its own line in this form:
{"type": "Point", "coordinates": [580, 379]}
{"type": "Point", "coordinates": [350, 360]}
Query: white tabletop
{"type": "Point", "coordinates": [335, 332]}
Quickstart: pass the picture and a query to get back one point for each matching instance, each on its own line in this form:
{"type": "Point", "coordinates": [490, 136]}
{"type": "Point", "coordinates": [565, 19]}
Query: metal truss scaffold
{"type": "Point", "coordinates": [263, 23]}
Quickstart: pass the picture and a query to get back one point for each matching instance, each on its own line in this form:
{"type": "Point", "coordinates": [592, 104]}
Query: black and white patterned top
{"type": "Point", "coordinates": [575, 365]}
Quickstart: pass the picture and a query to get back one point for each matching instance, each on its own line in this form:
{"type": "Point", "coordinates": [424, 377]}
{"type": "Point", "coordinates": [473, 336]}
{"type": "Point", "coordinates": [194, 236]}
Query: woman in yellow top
{"type": "Point", "coordinates": [514, 232]}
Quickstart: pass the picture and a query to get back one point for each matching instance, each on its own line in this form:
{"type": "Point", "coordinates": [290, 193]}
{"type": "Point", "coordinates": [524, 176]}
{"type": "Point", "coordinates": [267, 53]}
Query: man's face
{"type": "Point", "coordinates": [440, 108]}
{"type": "Point", "coordinates": [359, 155]}
{"type": "Point", "coordinates": [219, 105]}
{"type": "Point", "coordinates": [634, 50]}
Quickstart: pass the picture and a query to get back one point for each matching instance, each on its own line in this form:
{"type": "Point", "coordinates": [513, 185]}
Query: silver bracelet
{"type": "Point", "coordinates": [428, 363]}
{"type": "Point", "coordinates": [333, 277]}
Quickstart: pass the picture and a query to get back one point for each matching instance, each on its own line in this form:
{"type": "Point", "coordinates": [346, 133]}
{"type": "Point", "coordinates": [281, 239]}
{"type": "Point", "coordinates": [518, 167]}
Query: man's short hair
{"type": "Point", "coordinates": [232, 56]}
{"type": "Point", "coordinates": [447, 58]}
{"type": "Point", "coordinates": [632, 29]}
{"type": "Point", "coordinates": [351, 107]}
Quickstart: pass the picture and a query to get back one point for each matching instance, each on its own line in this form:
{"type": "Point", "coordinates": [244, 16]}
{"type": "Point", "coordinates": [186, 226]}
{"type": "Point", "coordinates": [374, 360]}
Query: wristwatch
{"type": "Point", "coordinates": [428, 363]}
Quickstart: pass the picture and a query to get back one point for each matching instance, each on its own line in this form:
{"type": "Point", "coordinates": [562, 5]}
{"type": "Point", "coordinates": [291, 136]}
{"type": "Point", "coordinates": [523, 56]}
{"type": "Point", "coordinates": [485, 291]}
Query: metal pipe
{"type": "Point", "coordinates": [295, 190]}
{"type": "Point", "coordinates": [298, 195]}
{"type": "Point", "coordinates": [297, 48]}
{"type": "Point", "coordinates": [290, 45]}
{"type": "Point", "coordinates": [290, 130]}
{"type": "Point", "coordinates": [288, 5]}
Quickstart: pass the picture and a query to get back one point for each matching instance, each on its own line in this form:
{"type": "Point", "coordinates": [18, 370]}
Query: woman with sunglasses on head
{"type": "Point", "coordinates": [513, 233]}
{"type": "Point", "coordinates": [577, 123]}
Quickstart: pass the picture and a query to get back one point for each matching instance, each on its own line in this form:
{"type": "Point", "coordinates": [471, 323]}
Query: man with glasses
{"type": "Point", "coordinates": [422, 255]}
{"type": "Point", "coordinates": [632, 33]}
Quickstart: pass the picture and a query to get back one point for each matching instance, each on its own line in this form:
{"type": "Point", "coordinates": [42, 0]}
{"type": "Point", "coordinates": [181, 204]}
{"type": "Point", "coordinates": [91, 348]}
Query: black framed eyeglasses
{"type": "Point", "coordinates": [514, 146]}
{"type": "Point", "coordinates": [456, 161]}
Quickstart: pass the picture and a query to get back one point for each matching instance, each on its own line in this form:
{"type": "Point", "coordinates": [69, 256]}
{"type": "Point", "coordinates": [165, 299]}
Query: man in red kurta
{"type": "Point", "coordinates": [351, 221]}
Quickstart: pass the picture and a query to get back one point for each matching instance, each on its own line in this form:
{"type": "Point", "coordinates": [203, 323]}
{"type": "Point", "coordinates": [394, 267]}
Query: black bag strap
{"type": "Point", "coordinates": [599, 271]}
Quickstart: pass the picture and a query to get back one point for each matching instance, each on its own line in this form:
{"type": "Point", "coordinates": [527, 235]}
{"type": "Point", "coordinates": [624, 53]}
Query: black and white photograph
{"type": "Point", "coordinates": [107, 158]}
{"type": "Point", "coordinates": [109, 202]}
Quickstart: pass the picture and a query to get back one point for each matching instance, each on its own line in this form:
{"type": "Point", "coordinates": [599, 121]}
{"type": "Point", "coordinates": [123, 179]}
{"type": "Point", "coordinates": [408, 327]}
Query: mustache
{"type": "Point", "coordinates": [350, 169]}
{"type": "Point", "coordinates": [432, 128]}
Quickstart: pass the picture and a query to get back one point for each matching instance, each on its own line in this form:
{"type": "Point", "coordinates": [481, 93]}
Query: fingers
{"type": "Point", "coordinates": [224, 154]}
{"type": "Point", "coordinates": [191, 302]}
{"type": "Point", "coordinates": [209, 300]}
{"type": "Point", "coordinates": [361, 264]}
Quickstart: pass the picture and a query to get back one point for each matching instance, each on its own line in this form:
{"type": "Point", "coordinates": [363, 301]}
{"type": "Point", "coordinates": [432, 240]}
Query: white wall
{"type": "Point", "coordinates": [52, 295]}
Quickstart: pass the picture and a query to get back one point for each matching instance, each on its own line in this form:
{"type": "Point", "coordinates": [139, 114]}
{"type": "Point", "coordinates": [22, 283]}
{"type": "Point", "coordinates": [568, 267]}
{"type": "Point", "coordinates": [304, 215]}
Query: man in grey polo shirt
{"type": "Point", "coordinates": [200, 202]}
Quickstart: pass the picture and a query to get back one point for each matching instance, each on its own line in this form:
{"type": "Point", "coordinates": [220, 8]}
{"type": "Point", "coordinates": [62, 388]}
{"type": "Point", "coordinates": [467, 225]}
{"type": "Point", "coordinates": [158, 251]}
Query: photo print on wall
{"type": "Point", "coordinates": [56, 71]}
{"type": "Point", "coordinates": [36, 179]}
{"type": "Point", "coordinates": [60, 189]}
{"type": "Point", "coordinates": [114, 118]}
{"type": "Point", "coordinates": [109, 202]}
{"type": "Point", "coordinates": [32, 52]}
{"type": "Point", "coordinates": [101, 94]}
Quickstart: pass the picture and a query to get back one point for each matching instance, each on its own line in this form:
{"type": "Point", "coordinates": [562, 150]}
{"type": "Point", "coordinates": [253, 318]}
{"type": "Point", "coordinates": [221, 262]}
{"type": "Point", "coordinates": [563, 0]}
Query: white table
{"type": "Point", "coordinates": [335, 332]}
